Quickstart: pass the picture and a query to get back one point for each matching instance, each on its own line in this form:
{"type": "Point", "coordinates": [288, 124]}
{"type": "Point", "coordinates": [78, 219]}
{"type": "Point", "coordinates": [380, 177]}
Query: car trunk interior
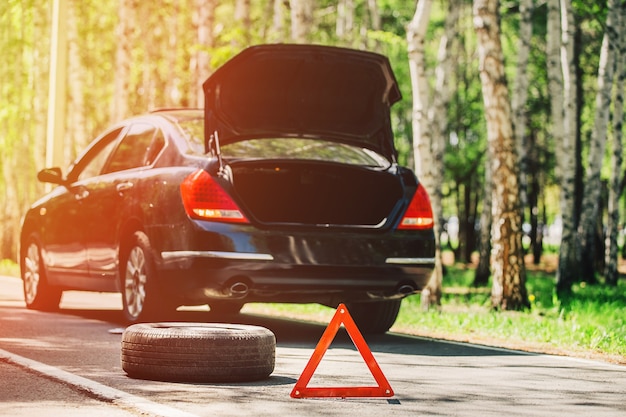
{"type": "Point", "coordinates": [316, 193]}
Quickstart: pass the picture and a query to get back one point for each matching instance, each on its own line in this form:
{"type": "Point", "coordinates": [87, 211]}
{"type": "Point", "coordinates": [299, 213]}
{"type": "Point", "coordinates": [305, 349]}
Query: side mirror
{"type": "Point", "coordinates": [51, 175]}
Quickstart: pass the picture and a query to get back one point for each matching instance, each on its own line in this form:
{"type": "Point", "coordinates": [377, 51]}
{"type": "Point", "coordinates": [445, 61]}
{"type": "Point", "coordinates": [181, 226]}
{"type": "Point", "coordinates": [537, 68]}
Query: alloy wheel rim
{"type": "Point", "coordinates": [31, 273]}
{"type": "Point", "coordinates": [135, 282]}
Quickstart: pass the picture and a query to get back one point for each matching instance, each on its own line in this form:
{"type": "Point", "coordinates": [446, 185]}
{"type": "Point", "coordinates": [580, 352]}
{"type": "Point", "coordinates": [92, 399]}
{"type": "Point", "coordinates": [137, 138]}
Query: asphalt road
{"type": "Point", "coordinates": [68, 364]}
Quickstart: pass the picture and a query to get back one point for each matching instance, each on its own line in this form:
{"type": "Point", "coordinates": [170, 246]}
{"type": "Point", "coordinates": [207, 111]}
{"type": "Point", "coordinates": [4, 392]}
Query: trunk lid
{"type": "Point", "coordinates": [325, 92]}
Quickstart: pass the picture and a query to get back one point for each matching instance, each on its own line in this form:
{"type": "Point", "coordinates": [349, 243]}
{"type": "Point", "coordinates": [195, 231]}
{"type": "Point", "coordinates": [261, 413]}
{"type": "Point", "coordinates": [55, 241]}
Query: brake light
{"type": "Point", "coordinates": [205, 199]}
{"type": "Point", "coordinates": [419, 214]}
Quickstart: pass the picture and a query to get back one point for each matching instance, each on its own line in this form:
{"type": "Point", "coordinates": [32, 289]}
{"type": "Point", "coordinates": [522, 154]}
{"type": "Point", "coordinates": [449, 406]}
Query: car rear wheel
{"type": "Point", "coordinates": [198, 352]}
{"type": "Point", "coordinates": [38, 294]}
{"type": "Point", "coordinates": [141, 298]}
{"type": "Point", "coordinates": [375, 316]}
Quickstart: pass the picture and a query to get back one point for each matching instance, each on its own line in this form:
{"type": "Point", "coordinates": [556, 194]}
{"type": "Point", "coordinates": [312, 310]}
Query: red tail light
{"type": "Point", "coordinates": [419, 214]}
{"type": "Point", "coordinates": [205, 199]}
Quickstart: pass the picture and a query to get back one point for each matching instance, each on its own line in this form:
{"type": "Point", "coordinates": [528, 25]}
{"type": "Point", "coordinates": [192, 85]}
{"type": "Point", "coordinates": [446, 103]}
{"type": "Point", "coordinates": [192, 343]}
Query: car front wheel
{"type": "Point", "coordinates": [140, 296]}
{"type": "Point", "coordinates": [38, 294]}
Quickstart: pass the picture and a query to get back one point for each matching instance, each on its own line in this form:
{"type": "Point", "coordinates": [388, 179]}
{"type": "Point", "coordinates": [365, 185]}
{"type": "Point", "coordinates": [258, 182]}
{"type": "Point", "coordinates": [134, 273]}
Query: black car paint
{"type": "Point", "coordinates": [345, 264]}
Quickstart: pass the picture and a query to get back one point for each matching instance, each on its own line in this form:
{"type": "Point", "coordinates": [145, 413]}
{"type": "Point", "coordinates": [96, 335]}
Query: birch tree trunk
{"type": "Point", "coordinates": [301, 20]}
{"type": "Point", "coordinates": [555, 89]}
{"type": "Point", "coordinates": [422, 134]}
{"type": "Point", "coordinates": [430, 123]}
{"type": "Point", "coordinates": [277, 31]}
{"type": "Point", "coordinates": [509, 274]}
{"type": "Point", "coordinates": [520, 93]}
{"type": "Point", "coordinates": [124, 35]}
{"type": "Point", "coordinates": [345, 21]}
{"type": "Point", "coordinates": [375, 20]}
{"type": "Point", "coordinates": [568, 269]}
{"type": "Point", "coordinates": [242, 14]}
{"type": "Point", "coordinates": [171, 82]}
{"type": "Point", "coordinates": [416, 38]}
{"type": "Point", "coordinates": [242, 17]}
{"type": "Point", "coordinates": [483, 270]}
{"type": "Point", "coordinates": [611, 273]}
{"type": "Point", "coordinates": [76, 131]}
{"type": "Point", "coordinates": [433, 171]}
{"type": "Point", "coordinates": [200, 61]}
{"type": "Point", "coordinates": [593, 186]}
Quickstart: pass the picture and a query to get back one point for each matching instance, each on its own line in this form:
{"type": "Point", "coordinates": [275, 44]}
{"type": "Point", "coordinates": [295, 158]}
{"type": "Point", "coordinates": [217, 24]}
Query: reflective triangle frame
{"type": "Point", "coordinates": [342, 316]}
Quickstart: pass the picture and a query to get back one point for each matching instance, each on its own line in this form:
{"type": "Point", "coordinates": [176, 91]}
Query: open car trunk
{"type": "Point", "coordinates": [316, 193]}
{"type": "Point", "coordinates": [283, 90]}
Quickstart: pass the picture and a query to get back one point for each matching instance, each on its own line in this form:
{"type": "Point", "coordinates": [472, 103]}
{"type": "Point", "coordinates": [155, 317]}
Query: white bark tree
{"type": "Point", "coordinates": [520, 92]}
{"type": "Point", "coordinates": [301, 20]}
{"type": "Point", "coordinates": [430, 121]}
{"type": "Point", "coordinates": [124, 34]}
{"type": "Point", "coordinates": [483, 269]}
{"type": "Point", "coordinates": [345, 20]}
{"type": "Point", "coordinates": [277, 30]}
{"type": "Point", "coordinates": [375, 20]}
{"type": "Point", "coordinates": [200, 61]}
{"type": "Point", "coordinates": [555, 83]}
{"type": "Point", "coordinates": [76, 131]}
{"type": "Point", "coordinates": [611, 273]}
{"type": "Point", "coordinates": [567, 271]}
{"type": "Point", "coordinates": [422, 132]}
{"type": "Point", "coordinates": [509, 274]}
{"type": "Point", "coordinates": [591, 196]}
{"type": "Point", "coordinates": [416, 38]}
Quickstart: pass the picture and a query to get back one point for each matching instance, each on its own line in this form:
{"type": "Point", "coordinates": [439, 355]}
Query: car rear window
{"type": "Point", "coordinates": [286, 148]}
{"type": "Point", "coordinates": [299, 148]}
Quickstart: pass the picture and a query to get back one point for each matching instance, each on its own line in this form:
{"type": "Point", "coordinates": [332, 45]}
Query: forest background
{"type": "Point", "coordinates": [554, 69]}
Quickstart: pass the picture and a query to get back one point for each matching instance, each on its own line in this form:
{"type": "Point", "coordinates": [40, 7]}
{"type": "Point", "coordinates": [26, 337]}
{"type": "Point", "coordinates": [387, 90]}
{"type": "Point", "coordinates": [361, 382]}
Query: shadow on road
{"type": "Point", "coordinates": [302, 334]}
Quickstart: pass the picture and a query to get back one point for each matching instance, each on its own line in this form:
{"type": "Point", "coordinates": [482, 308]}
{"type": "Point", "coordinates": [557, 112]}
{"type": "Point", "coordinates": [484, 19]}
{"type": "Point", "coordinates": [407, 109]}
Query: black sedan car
{"type": "Point", "coordinates": [284, 188]}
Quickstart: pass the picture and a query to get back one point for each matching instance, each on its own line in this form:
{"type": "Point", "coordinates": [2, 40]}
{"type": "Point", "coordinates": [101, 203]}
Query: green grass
{"type": "Point", "coordinates": [590, 321]}
{"type": "Point", "coordinates": [9, 268]}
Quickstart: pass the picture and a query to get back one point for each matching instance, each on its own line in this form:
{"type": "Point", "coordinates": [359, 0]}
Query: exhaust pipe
{"type": "Point", "coordinates": [238, 290]}
{"type": "Point", "coordinates": [405, 289]}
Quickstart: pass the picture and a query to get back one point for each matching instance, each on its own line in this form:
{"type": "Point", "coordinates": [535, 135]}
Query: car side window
{"type": "Point", "coordinates": [92, 163]}
{"type": "Point", "coordinates": [137, 148]}
{"type": "Point", "coordinates": [155, 148]}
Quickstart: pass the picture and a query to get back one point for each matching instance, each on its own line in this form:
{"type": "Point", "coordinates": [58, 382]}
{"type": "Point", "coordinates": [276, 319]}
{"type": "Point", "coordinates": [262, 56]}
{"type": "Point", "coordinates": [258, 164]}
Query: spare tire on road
{"type": "Point", "coordinates": [198, 352]}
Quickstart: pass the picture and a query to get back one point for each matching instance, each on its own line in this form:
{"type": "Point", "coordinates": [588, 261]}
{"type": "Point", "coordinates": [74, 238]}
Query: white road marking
{"type": "Point", "coordinates": [96, 389]}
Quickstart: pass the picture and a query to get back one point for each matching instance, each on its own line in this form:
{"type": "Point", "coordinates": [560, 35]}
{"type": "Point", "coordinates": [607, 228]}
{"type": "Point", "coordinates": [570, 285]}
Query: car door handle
{"type": "Point", "coordinates": [124, 186]}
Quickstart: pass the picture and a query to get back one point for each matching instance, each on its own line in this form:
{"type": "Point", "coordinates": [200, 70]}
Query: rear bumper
{"type": "Point", "coordinates": [198, 279]}
{"type": "Point", "coordinates": [253, 265]}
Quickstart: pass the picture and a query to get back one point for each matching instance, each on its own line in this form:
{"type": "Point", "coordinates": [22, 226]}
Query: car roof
{"type": "Point", "coordinates": [178, 114]}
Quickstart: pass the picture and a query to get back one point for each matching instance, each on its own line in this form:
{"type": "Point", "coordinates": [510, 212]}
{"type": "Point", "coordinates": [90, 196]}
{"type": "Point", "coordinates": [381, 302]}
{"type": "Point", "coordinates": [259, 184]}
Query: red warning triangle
{"type": "Point", "coordinates": [342, 316]}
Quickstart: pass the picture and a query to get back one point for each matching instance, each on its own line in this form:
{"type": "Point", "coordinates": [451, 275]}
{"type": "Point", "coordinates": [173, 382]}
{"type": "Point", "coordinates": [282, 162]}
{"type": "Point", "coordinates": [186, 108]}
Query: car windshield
{"type": "Point", "coordinates": [286, 148]}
